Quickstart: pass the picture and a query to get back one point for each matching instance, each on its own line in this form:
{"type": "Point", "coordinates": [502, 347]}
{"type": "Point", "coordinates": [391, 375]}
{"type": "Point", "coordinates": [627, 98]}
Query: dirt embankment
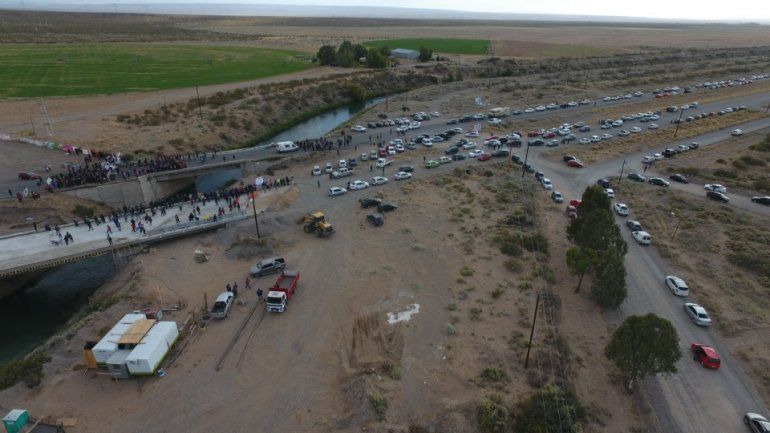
{"type": "Point", "coordinates": [54, 209]}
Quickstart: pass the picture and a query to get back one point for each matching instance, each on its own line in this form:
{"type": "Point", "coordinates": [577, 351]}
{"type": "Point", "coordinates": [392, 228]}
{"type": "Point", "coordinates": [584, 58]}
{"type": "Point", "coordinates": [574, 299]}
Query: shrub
{"type": "Point", "coordinates": [83, 211]}
{"type": "Point", "coordinates": [476, 313]}
{"type": "Point", "coordinates": [450, 329]}
{"type": "Point", "coordinates": [547, 408]}
{"type": "Point", "coordinates": [379, 404]}
{"type": "Point", "coordinates": [512, 265]}
{"type": "Point", "coordinates": [750, 160]}
{"type": "Point", "coordinates": [497, 292]}
{"type": "Point", "coordinates": [491, 416]}
{"type": "Point", "coordinates": [494, 374]}
{"type": "Point", "coordinates": [28, 370]}
{"type": "Point", "coordinates": [724, 174]}
{"type": "Point", "coordinates": [466, 271]}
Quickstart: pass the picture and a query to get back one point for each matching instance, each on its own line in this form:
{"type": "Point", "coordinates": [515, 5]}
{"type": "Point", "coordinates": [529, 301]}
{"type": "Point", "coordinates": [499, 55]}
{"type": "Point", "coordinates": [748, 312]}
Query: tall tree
{"type": "Point", "coordinates": [385, 50]}
{"type": "Point", "coordinates": [426, 53]}
{"type": "Point", "coordinates": [580, 260]}
{"type": "Point", "coordinates": [643, 346]}
{"type": "Point", "coordinates": [359, 51]}
{"type": "Point", "coordinates": [609, 286]}
{"type": "Point", "coordinates": [327, 55]}
{"type": "Point", "coordinates": [375, 59]}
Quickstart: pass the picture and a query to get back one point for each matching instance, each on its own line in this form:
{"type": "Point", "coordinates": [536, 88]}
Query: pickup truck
{"type": "Point", "coordinates": [283, 289]}
{"type": "Point", "coordinates": [383, 162]}
{"type": "Point", "coordinates": [268, 266]}
{"type": "Point", "coordinates": [342, 172]}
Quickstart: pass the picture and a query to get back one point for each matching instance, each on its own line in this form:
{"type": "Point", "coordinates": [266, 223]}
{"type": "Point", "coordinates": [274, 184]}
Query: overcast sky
{"type": "Point", "coordinates": [743, 10]}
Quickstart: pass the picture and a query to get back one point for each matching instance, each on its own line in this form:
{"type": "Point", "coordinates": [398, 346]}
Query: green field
{"type": "Point", "coordinates": [84, 69]}
{"type": "Point", "coordinates": [440, 46]}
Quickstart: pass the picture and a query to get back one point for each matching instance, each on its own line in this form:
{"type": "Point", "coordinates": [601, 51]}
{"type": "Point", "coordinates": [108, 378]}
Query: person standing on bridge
{"type": "Point", "coordinates": [109, 229]}
{"type": "Point", "coordinates": [109, 239]}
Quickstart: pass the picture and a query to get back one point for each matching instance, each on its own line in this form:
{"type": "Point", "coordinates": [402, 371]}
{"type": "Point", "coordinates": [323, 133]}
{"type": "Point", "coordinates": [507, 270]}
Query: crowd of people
{"type": "Point", "coordinates": [97, 168]}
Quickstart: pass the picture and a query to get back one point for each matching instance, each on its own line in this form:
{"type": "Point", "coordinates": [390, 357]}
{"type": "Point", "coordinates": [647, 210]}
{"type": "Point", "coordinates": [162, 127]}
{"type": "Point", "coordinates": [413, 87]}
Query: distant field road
{"type": "Point", "coordinates": [89, 69]}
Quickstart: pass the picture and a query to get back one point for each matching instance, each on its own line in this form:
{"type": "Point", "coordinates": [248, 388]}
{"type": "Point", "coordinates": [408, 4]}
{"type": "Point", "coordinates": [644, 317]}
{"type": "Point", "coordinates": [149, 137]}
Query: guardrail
{"type": "Point", "coordinates": [179, 230]}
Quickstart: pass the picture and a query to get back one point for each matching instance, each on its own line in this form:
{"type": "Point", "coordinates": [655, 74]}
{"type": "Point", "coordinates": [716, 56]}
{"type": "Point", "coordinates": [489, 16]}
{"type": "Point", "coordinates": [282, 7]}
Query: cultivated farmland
{"type": "Point", "coordinates": [83, 69]}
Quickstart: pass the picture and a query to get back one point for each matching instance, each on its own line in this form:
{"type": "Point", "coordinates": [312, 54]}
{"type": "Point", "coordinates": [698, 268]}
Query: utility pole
{"type": "Point", "coordinates": [532, 332]}
{"type": "Point", "coordinates": [621, 171]}
{"type": "Point", "coordinates": [526, 155]}
{"type": "Point", "coordinates": [32, 123]}
{"type": "Point", "coordinates": [678, 122]}
{"type": "Point", "coordinates": [200, 111]}
{"type": "Point", "coordinates": [256, 222]}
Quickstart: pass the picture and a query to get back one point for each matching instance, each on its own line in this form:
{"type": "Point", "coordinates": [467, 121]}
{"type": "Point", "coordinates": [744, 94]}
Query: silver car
{"type": "Point", "coordinates": [697, 313]}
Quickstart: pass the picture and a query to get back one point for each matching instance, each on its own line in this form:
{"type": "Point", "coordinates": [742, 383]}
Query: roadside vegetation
{"type": "Point", "coordinates": [28, 370]}
{"type": "Point", "coordinates": [438, 45]}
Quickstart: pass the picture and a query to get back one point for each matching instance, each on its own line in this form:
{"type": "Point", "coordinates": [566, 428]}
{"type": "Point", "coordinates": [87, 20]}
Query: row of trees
{"type": "Point", "coordinates": [347, 55]}
{"type": "Point", "coordinates": [641, 345]}
{"type": "Point", "coordinates": [599, 249]}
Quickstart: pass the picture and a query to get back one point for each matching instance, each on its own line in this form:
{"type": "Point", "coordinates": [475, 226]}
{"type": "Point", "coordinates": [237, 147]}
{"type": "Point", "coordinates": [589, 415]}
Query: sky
{"type": "Point", "coordinates": [700, 10]}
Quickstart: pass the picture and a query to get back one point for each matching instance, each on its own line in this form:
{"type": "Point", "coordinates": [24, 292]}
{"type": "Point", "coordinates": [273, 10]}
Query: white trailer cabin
{"type": "Point", "coordinates": [148, 354]}
{"type": "Point", "coordinates": [108, 345]}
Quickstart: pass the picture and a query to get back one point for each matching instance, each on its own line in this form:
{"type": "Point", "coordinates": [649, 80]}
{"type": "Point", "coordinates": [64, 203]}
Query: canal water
{"type": "Point", "coordinates": [36, 311]}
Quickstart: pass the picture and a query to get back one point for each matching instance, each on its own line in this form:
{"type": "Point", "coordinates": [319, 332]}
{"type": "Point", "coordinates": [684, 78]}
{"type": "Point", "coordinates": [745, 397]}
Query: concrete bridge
{"type": "Point", "coordinates": [156, 186]}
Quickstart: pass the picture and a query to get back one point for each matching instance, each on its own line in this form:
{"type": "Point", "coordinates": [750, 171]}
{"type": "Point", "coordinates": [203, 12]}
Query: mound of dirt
{"type": "Point", "coordinates": [373, 342]}
{"type": "Point", "coordinates": [247, 246]}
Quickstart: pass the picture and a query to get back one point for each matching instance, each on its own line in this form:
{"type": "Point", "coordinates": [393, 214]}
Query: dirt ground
{"type": "Point", "coordinates": [318, 366]}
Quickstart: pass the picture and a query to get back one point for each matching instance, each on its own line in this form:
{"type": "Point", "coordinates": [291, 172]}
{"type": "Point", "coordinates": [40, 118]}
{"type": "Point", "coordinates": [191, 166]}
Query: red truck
{"type": "Point", "coordinates": [283, 289]}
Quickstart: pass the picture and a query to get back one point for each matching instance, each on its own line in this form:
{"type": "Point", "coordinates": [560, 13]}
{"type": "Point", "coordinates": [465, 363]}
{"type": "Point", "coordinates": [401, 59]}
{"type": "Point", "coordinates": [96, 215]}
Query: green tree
{"type": "Point", "coordinates": [375, 59]}
{"type": "Point", "coordinates": [643, 346]}
{"type": "Point", "coordinates": [346, 55]}
{"type": "Point", "coordinates": [609, 287]}
{"type": "Point", "coordinates": [426, 53]}
{"type": "Point", "coordinates": [549, 411]}
{"type": "Point", "coordinates": [580, 261]}
{"type": "Point", "coordinates": [385, 50]}
{"type": "Point", "coordinates": [359, 51]}
{"type": "Point", "coordinates": [357, 92]}
{"type": "Point", "coordinates": [326, 55]}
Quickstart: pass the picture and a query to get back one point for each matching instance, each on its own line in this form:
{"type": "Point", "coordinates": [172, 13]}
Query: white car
{"type": "Point", "coordinates": [606, 136]}
{"type": "Point", "coordinates": [584, 140]}
{"type": "Point", "coordinates": [623, 133]}
{"type": "Point", "coordinates": [336, 190]}
{"type": "Point", "coordinates": [596, 138]}
{"type": "Point", "coordinates": [715, 187]}
{"type": "Point", "coordinates": [653, 126]}
{"type": "Point", "coordinates": [435, 114]}
{"type": "Point", "coordinates": [358, 184]}
{"type": "Point", "coordinates": [379, 180]}
{"type": "Point", "coordinates": [391, 150]}
{"type": "Point", "coordinates": [636, 129]}
{"type": "Point", "coordinates": [658, 156]}
{"type": "Point", "coordinates": [402, 128]}
{"type": "Point", "coordinates": [677, 285]}
{"type": "Point", "coordinates": [396, 142]}
{"type": "Point", "coordinates": [400, 148]}
{"type": "Point", "coordinates": [529, 110]}
{"type": "Point", "coordinates": [383, 162]}
{"type": "Point", "coordinates": [610, 192]}
{"type": "Point", "coordinates": [472, 134]}
{"type": "Point", "coordinates": [540, 108]}
{"type": "Point", "coordinates": [329, 167]}
{"type": "Point", "coordinates": [546, 183]}
{"type": "Point", "coordinates": [316, 170]}
{"type": "Point", "coordinates": [402, 175]}
{"type": "Point", "coordinates": [469, 145]}
{"type": "Point", "coordinates": [697, 313]}
{"type": "Point", "coordinates": [343, 163]}
{"type": "Point", "coordinates": [641, 237]}
{"type": "Point", "coordinates": [364, 157]}
{"type": "Point", "coordinates": [737, 132]}
{"type": "Point", "coordinates": [621, 209]}
{"type": "Point", "coordinates": [444, 160]}
{"type": "Point", "coordinates": [647, 159]}
{"type": "Point", "coordinates": [358, 128]}
{"type": "Point", "coordinates": [475, 153]}
{"type": "Point", "coordinates": [495, 121]}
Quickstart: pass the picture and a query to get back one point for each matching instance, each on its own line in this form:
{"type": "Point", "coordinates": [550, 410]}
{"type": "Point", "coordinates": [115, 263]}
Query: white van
{"type": "Point", "coordinates": [286, 146]}
{"type": "Point", "coordinates": [222, 305]}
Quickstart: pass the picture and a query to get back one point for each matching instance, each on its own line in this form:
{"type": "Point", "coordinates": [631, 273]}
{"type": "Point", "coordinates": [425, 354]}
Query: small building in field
{"type": "Point", "coordinates": [403, 53]}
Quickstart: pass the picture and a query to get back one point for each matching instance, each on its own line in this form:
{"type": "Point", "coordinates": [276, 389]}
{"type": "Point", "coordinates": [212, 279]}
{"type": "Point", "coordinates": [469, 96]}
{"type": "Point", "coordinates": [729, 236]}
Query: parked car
{"type": "Point", "coordinates": [402, 175]}
{"type": "Point", "coordinates": [604, 183]}
{"type": "Point", "coordinates": [705, 356]}
{"type": "Point", "coordinates": [358, 128]}
{"type": "Point", "coordinates": [431, 163]}
{"type": "Point", "coordinates": [485, 156]}
{"type": "Point", "coordinates": [641, 237]}
{"type": "Point", "coordinates": [697, 314]}
{"type": "Point", "coordinates": [575, 164]}
{"type": "Point", "coordinates": [358, 184]}
{"type": "Point", "coordinates": [737, 132]}
{"type": "Point", "coordinates": [546, 183]}
{"type": "Point", "coordinates": [568, 158]}
{"type": "Point", "coordinates": [444, 160]}
{"type": "Point", "coordinates": [677, 285]}
{"type": "Point", "coordinates": [458, 157]}
{"type": "Point", "coordinates": [659, 181]}
{"type": "Point", "coordinates": [765, 200]}
{"type": "Point", "coordinates": [222, 305]}
{"type": "Point", "coordinates": [406, 168]}
{"type": "Point", "coordinates": [715, 187]}
{"type": "Point", "coordinates": [375, 219]}
{"type": "Point", "coordinates": [718, 196]}
{"type": "Point", "coordinates": [678, 178]}
{"type": "Point", "coordinates": [475, 153]}
{"type": "Point", "coordinates": [386, 207]}
{"type": "Point", "coordinates": [634, 225]}
{"type": "Point", "coordinates": [336, 190]}
{"type": "Point", "coordinates": [500, 153]}
{"type": "Point", "coordinates": [268, 266]}
{"type": "Point", "coordinates": [316, 170]}
{"type": "Point", "coordinates": [571, 211]}
{"type": "Point", "coordinates": [756, 423]}
{"type": "Point", "coordinates": [557, 197]}
{"type": "Point", "coordinates": [368, 202]}
{"type": "Point", "coordinates": [28, 175]}
{"type": "Point", "coordinates": [329, 168]}
{"type": "Point", "coordinates": [621, 209]}
{"type": "Point", "coordinates": [379, 180]}
{"type": "Point", "coordinates": [636, 177]}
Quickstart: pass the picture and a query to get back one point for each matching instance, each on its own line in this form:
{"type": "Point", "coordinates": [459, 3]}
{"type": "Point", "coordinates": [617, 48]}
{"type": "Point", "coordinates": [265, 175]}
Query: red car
{"type": "Point", "coordinates": [533, 134]}
{"type": "Point", "coordinates": [549, 135]}
{"type": "Point", "coordinates": [705, 355]}
{"type": "Point", "coordinates": [575, 163]}
{"type": "Point", "coordinates": [485, 156]}
{"type": "Point", "coordinates": [575, 202]}
{"type": "Point", "coordinates": [28, 175]}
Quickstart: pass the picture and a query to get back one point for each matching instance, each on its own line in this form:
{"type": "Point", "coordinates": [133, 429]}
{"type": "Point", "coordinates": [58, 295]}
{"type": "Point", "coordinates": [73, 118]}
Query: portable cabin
{"type": "Point", "coordinates": [108, 345]}
{"type": "Point", "coordinates": [116, 365]}
{"type": "Point", "coordinates": [148, 354]}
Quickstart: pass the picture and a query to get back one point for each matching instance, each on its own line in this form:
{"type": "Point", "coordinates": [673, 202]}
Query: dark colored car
{"type": "Point", "coordinates": [375, 219]}
{"type": "Point", "coordinates": [500, 153]}
{"type": "Point", "coordinates": [28, 175]}
{"type": "Point", "coordinates": [458, 157]}
{"type": "Point", "coordinates": [585, 128]}
{"type": "Point", "coordinates": [386, 207]}
{"type": "Point", "coordinates": [406, 168]}
{"type": "Point", "coordinates": [678, 178]}
{"type": "Point", "coordinates": [452, 122]}
{"type": "Point", "coordinates": [718, 196]}
{"type": "Point", "coordinates": [539, 175]}
{"type": "Point", "coordinates": [568, 158]}
{"type": "Point", "coordinates": [517, 160]}
{"type": "Point", "coordinates": [604, 183]}
{"type": "Point", "coordinates": [658, 181]}
{"type": "Point", "coordinates": [668, 153]}
{"type": "Point", "coordinates": [528, 168]}
{"type": "Point", "coordinates": [368, 202]}
{"type": "Point", "coordinates": [636, 177]}
{"type": "Point", "coordinates": [451, 150]}
{"type": "Point", "coordinates": [537, 142]}
{"type": "Point", "coordinates": [765, 200]}
{"type": "Point", "coordinates": [634, 225]}
{"type": "Point", "coordinates": [352, 162]}
{"type": "Point", "coordinates": [694, 145]}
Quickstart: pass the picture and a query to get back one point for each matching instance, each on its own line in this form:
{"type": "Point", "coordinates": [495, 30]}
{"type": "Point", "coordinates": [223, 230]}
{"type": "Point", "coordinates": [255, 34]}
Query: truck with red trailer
{"type": "Point", "coordinates": [283, 289]}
